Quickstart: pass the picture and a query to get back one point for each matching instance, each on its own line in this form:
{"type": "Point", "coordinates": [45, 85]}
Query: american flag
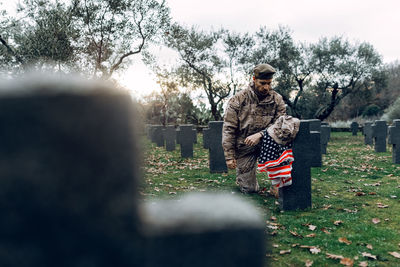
{"type": "Point", "coordinates": [276, 160]}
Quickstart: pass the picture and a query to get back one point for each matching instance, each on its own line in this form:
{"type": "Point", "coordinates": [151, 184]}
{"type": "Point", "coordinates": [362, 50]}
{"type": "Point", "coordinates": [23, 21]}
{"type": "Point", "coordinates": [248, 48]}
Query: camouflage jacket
{"type": "Point", "coordinates": [246, 115]}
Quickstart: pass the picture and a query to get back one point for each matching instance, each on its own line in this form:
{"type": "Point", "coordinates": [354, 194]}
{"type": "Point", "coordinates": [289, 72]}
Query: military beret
{"type": "Point", "coordinates": [264, 71]}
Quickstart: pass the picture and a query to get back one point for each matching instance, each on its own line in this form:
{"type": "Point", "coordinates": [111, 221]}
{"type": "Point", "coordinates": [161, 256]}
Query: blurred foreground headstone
{"type": "Point", "coordinates": [68, 168]}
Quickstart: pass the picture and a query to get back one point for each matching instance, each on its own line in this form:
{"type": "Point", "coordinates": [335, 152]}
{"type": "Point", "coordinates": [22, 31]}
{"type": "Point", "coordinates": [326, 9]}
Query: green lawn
{"type": "Point", "coordinates": [355, 213]}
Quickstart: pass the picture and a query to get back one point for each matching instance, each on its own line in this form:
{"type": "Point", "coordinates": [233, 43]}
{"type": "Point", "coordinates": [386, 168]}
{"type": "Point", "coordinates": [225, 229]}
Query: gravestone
{"type": "Point", "coordinates": [298, 195]}
{"type": "Point", "coordinates": [379, 134]}
{"type": "Point", "coordinates": [68, 180]}
{"type": "Point", "coordinates": [354, 128]}
{"type": "Point", "coordinates": [394, 140]}
{"type": "Point", "coordinates": [204, 230]}
{"type": "Point", "coordinates": [170, 137]}
{"type": "Point", "coordinates": [325, 136]}
{"type": "Point", "coordinates": [367, 132]}
{"type": "Point", "coordinates": [315, 130]}
{"type": "Point", "coordinates": [69, 190]}
{"type": "Point", "coordinates": [206, 138]}
{"type": "Point", "coordinates": [216, 152]}
{"type": "Point", "coordinates": [185, 138]}
{"type": "Point", "coordinates": [157, 135]}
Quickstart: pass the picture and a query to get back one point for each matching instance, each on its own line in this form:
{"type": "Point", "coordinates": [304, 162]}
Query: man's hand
{"type": "Point", "coordinates": [253, 139]}
{"type": "Point", "coordinates": [231, 163]}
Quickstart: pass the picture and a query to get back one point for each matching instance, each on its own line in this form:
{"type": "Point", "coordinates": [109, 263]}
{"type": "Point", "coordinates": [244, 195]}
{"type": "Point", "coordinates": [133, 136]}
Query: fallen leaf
{"type": "Point", "coordinates": [376, 220]}
{"type": "Point", "coordinates": [369, 246]}
{"type": "Point", "coordinates": [295, 234]}
{"type": "Point", "coordinates": [372, 193]}
{"type": "Point", "coordinates": [344, 240]}
{"type": "Point", "coordinates": [363, 264]}
{"type": "Point", "coordinates": [311, 235]}
{"type": "Point", "coordinates": [273, 233]}
{"type": "Point", "coordinates": [305, 246]}
{"type": "Point", "coordinates": [347, 262]}
{"type": "Point", "coordinates": [275, 245]}
{"type": "Point", "coordinates": [325, 207]}
{"type": "Point", "coordinates": [282, 252]}
{"type": "Point", "coordinates": [359, 194]}
{"type": "Point", "coordinates": [309, 263]}
{"type": "Point", "coordinates": [382, 206]}
{"type": "Point", "coordinates": [337, 222]}
{"type": "Point", "coordinates": [395, 254]}
{"type": "Point", "coordinates": [273, 218]}
{"type": "Point", "coordinates": [333, 256]}
{"type": "Point", "coordinates": [325, 231]}
{"type": "Point", "coordinates": [312, 227]}
{"type": "Point", "coordinates": [295, 245]}
{"type": "Point", "coordinates": [315, 250]}
{"type": "Point", "coordinates": [368, 255]}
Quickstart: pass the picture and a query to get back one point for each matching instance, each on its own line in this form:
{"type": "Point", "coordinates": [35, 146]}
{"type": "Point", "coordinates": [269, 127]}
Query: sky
{"type": "Point", "coordinates": [375, 22]}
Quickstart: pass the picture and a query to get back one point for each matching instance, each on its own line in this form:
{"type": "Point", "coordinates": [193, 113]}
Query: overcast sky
{"type": "Point", "coordinates": [376, 22]}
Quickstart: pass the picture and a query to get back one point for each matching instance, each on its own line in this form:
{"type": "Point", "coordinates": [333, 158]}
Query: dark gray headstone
{"type": "Point", "coordinates": [298, 195]}
{"type": "Point", "coordinates": [315, 129]}
{"type": "Point", "coordinates": [205, 230]}
{"type": "Point", "coordinates": [184, 136]}
{"type": "Point", "coordinates": [206, 138]}
{"type": "Point", "coordinates": [325, 136]}
{"type": "Point", "coordinates": [216, 152]}
{"type": "Point", "coordinates": [68, 187]}
{"type": "Point", "coordinates": [394, 140]}
{"type": "Point", "coordinates": [379, 134]}
{"type": "Point", "coordinates": [157, 135]}
{"type": "Point", "coordinates": [354, 128]}
{"type": "Point", "coordinates": [170, 137]}
{"type": "Point", "coordinates": [195, 136]}
{"type": "Point", "coordinates": [367, 132]}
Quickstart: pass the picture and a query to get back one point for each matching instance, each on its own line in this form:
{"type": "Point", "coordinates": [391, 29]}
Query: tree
{"type": "Point", "coordinates": [113, 31]}
{"type": "Point", "coordinates": [207, 61]}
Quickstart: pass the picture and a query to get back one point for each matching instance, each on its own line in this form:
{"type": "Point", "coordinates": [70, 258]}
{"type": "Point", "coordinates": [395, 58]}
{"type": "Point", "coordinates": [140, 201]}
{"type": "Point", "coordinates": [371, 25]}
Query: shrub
{"type": "Point", "coordinates": [371, 110]}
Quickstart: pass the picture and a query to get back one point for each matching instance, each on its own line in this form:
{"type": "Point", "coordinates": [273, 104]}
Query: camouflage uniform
{"type": "Point", "coordinates": [245, 115]}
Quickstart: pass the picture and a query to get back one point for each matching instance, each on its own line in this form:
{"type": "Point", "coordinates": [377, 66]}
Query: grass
{"type": "Point", "coordinates": [354, 187]}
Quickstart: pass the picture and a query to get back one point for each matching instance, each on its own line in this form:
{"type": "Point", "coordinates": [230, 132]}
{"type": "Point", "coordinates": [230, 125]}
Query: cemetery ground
{"type": "Point", "coordinates": [355, 215]}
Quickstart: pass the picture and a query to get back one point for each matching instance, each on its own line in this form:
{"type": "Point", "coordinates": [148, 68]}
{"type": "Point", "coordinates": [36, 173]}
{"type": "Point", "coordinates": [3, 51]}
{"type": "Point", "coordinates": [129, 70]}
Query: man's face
{"type": "Point", "coordinates": [262, 86]}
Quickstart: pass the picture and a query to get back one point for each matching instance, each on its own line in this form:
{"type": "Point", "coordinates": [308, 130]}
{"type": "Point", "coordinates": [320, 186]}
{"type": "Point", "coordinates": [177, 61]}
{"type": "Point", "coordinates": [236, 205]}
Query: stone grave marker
{"type": "Point", "coordinates": [325, 136]}
{"type": "Point", "coordinates": [68, 187]}
{"type": "Point", "coordinates": [394, 140]}
{"type": "Point", "coordinates": [298, 195]}
{"type": "Point", "coordinates": [367, 132]}
{"type": "Point", "coordinates": [354, 128]}
{"type": "Point", "coordinates": [170, 137]}
{"type": "Point", "coordinates": [185, 138]}
{"type": "Point", "coordinates": [315, 130]}
{"type": "Point", "coordinates": [157, 135]}
{"type": "Point", "coordinates": [69, 191]}
{"type": "Point", "coordinates": [206, 138]}
{"type": "Point", "coordinates": [216, 152]}
{"type": "Point", "coordinates": [379, 134]}
{"type": "Point", "coordinates": [205, 230]}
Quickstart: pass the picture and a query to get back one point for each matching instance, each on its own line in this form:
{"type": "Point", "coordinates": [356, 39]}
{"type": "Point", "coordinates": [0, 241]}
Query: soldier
{"type": "Point", "coordinates": [247, 114]}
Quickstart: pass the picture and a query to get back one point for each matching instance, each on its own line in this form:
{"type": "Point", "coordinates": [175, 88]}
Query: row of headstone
{"type": "Point", "coordinates": [69, 191]}
{"type": "Point", "coordinates": [354, 128]}
{"type": "Point", "coordinates": [378, 132]}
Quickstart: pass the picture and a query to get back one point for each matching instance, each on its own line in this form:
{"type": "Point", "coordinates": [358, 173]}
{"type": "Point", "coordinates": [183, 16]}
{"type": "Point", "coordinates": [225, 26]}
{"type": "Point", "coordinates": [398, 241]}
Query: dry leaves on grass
{"type": "Point", "coordinates": [382, 206]}
{"type": "Point", "coordinates": [369, 255]}
{"type": "Point", "coordinates": [315, 250]}
{"type": "Point", "coordinates": [333, 256]}
{"type": "Point", "coordinates": [376, 220]}
{"type": "Point", "coordinates": [295, 234]}
{"type": "Point", "coordinates": [311, 235]}
{"type": "Point", "coordinates": [308, 263]}
{"type": "Point", "coordinates": [323, 229]}
{"type": "Point", "coordinates": [312, 227]}
{"type": "Point", "coordinates": [395, 254]}
{"type": "Point", "coordinates": [347, 262]}
{"type": "Point", "coordinates": [344, 240]}
{"type": "Point", "coordinates": [337, 222]}
{"type": "Point", "coordinates": [363, 264]}
{"type": "Point", "coordinates": [283, 252]}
